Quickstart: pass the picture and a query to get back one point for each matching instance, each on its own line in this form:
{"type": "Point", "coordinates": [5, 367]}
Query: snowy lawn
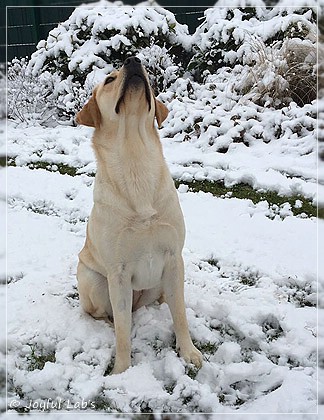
{"type": "Point", "coordinates": [250, 288]}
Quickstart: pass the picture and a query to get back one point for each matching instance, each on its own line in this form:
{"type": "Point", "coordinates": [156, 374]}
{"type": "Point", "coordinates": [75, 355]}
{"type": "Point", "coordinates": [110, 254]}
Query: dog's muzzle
{"type": "Point", "coordinates": [134, 78]}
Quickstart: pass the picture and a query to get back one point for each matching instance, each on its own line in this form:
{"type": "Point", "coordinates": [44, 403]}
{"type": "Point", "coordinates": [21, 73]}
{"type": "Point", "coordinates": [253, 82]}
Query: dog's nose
{"type": "Point", "coordinates": [132, 61]}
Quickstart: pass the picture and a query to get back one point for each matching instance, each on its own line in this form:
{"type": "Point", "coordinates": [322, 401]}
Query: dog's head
{"type": "Point", "coordinates": [123, 93]}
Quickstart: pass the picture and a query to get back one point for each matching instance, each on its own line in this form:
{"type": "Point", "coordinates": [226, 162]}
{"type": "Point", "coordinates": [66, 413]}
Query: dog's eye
{"type": "Point", "coordinates": [109, 80]}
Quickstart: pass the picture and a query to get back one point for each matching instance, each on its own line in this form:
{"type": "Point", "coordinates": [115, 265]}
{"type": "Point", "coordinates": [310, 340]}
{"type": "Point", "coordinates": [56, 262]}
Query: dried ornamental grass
{"type": "Point", "coordinates": [280, 73]}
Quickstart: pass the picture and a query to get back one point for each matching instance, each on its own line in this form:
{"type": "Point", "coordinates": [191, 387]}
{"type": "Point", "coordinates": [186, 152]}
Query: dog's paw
{"type": "Point", "coordinates": [192, 355]}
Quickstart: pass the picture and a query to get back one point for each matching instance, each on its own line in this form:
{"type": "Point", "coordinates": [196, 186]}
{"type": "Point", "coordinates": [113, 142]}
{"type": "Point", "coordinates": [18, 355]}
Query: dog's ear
{"type": "Point", "coordinates": [161, 112]}
{"type": "Point", "coordinates": [89, 114]}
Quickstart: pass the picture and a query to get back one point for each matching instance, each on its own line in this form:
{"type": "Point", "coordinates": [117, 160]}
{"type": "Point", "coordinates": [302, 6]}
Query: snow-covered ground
{"type": "Point", "coordinates": [250, 290]}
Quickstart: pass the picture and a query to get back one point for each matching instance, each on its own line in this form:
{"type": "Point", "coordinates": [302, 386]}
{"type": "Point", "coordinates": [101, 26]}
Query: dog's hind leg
{"type": "Point", "coordinates": [93, 292]}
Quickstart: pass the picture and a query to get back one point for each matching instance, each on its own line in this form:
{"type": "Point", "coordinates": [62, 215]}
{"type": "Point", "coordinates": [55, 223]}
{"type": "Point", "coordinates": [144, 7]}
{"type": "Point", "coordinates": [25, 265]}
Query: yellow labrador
{"type": "Point", "coordinates": [135, 234]}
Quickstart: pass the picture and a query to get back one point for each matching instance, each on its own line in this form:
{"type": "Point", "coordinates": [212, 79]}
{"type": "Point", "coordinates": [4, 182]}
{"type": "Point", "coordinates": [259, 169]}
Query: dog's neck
{"type": "Point", "coordinates": [129, 164]}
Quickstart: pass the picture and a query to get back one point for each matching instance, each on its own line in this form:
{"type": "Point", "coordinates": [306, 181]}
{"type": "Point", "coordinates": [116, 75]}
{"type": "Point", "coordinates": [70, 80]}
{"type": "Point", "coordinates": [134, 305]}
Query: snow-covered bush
{"type": "Point", "coordinates": [30, 98]}
{"type": "Point", "coordinates": [214, 117]}
{"type": "Point", "coordinates": [44, 98]}
{"type": "Point", "coordinates": [225, 36]}
{"type": "Point", "coordinates": [96, 40]}
{"type": "Point", "coordinates": [276, 49]}
{"type": "Point", "coordinates": [105, 36]}
{"type": "Point", "coordinates": [217, 40]}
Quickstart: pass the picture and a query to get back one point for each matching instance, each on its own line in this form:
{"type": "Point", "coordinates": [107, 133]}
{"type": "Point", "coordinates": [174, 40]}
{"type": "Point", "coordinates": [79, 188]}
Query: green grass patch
{"type": "Point", "coordinates": [207, 347]}
{"type": "Point", "coordinates": [110, 367]}
{"type": "Point", "coordinates": [101, 403]}
{"type": "Point", "coordinates": [245, 191]}
{"type": "Point", "coordinates": [272, 329]}
{"type": "Point", "coordinates": [212, 262]}
{"type": "Point", "coordinates": [61, 168]}
{"type": "Point", "coordinates": [38, 358]}
{"type": "Point", "coordinates": [3, 161]}
{"type": "Point", "coordinates": [249, 280]}
{"type": "Point", "coordinates": [321, 212]}
{"type": "Point", "coordinates": [301, 294]}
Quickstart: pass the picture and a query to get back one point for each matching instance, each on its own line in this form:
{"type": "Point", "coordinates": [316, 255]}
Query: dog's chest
{"type": "Point", "coordinates": [146, 272]}
{"type": "Point", "coordinates": [145, 252]}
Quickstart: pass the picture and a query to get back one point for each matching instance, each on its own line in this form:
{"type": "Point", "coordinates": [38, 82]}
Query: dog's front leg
{"type": "Point", "coordinates": [121, 294]}
{"type": "Point", "coordinates": [173, 287]}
